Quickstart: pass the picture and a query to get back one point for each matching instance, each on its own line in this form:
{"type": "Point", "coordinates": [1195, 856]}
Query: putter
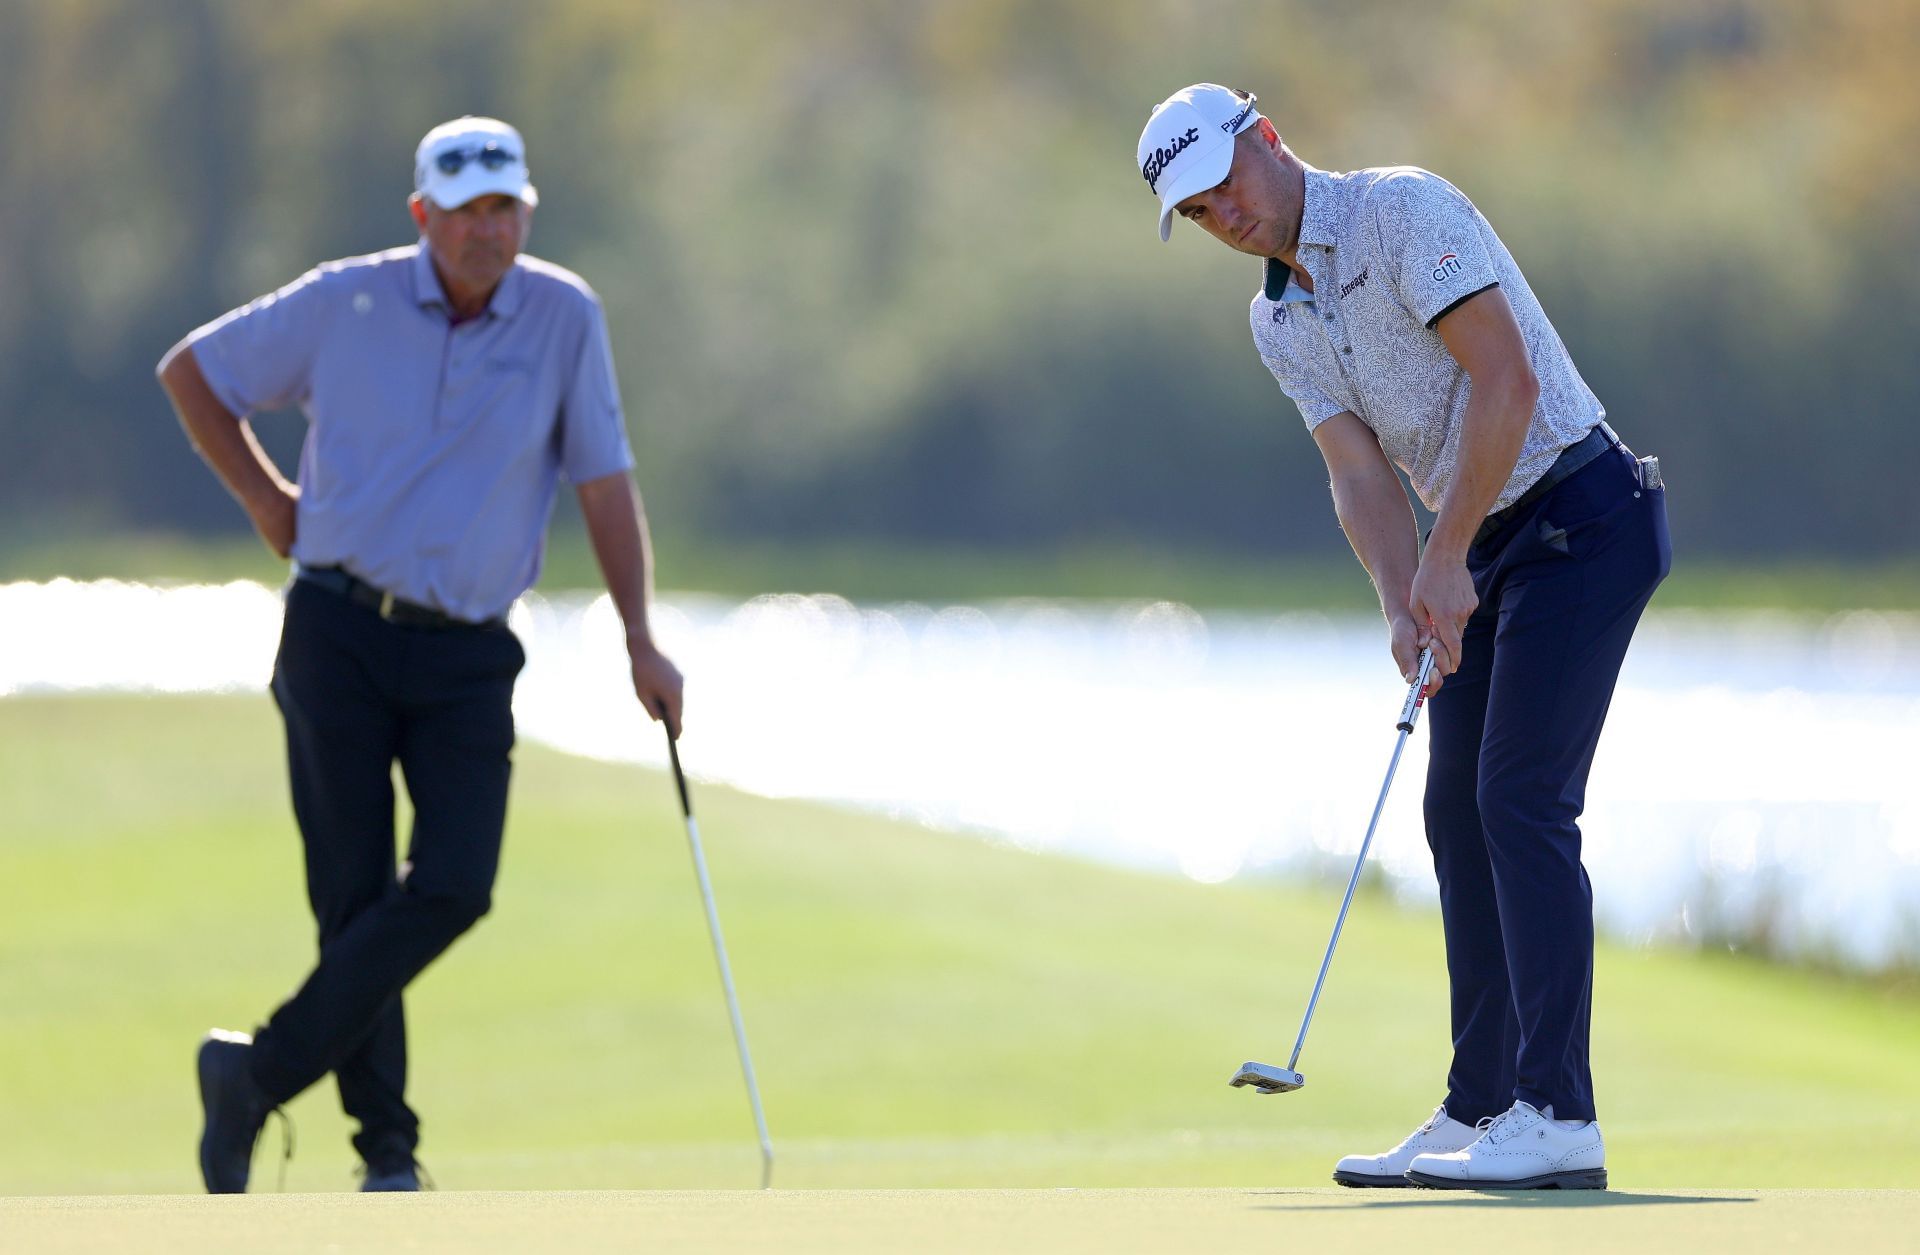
{"type": "Point", "coordinates": [720, 953]}
{"type": "Point", "coordinates": [1265, 1077]}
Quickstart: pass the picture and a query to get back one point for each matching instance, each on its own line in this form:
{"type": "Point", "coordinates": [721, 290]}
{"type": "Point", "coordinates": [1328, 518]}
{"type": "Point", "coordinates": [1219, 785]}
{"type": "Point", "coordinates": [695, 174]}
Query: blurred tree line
{"type": "Point", "coordinates": [884, 268]}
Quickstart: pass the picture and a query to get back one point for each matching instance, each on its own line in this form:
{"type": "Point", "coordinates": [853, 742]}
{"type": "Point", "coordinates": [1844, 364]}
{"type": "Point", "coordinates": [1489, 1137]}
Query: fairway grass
{"type": "Point", "coordinates": [933, 1222]}
{"type": "Point", "coordinates": [925, 1010]}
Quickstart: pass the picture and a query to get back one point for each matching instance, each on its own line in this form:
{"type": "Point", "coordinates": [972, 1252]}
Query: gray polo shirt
{"type": "Point", "coordinates": [433, 450]}
{"type": "Point", "coordinates": [1390, 251]}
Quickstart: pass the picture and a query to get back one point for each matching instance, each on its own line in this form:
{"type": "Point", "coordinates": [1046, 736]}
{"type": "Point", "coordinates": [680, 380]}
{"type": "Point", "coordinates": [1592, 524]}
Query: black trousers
{"type": "Point", "coordinates": [1512, 735]}
{"type": "Point", "coordinates": [358, 694]}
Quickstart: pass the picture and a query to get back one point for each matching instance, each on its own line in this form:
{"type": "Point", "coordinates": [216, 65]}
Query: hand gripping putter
{"type": "Point", "coordinates": [1264, 1077]}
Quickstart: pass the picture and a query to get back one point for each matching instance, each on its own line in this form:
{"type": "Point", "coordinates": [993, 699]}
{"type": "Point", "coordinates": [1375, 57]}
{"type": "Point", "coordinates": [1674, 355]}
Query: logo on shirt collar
{"type": "Point", "coordinates": [1446, 268]}
{"type": "Point", "coordinates": [1357, 282]}
{"type": "Point", "coordinates": [1156, 165]}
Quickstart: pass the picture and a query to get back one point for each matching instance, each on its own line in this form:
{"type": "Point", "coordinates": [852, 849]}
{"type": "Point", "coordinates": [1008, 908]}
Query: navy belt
{"type": "Point", "coordinates": [406, 613]}
{"type": "Point", "coordinates": [1572, 458]}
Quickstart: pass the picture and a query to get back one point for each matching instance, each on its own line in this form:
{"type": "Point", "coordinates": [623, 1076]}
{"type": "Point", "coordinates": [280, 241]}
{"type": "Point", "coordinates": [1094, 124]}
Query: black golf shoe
{"type": "Point", "coordinates": [402, 1176]}
{"type": "Point", "coordinates": [235, 1109]}
{"type": "Point", "coordinates": [387, 1163]}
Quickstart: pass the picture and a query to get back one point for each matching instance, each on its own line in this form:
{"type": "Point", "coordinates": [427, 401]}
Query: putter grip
{"type": "Point", "coordinates": [1417, 694]}
{"type": "Point", "coordinates": [679, 776]}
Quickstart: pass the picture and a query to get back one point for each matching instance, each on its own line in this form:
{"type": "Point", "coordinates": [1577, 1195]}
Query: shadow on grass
{"type": "Point", "coordinates": [1535, 1200]}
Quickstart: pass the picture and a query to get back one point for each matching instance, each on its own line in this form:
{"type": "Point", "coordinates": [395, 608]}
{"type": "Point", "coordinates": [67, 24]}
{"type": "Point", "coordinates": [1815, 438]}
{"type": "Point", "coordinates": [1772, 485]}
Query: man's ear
{"type": "Point", "coordinates": [417, 206]}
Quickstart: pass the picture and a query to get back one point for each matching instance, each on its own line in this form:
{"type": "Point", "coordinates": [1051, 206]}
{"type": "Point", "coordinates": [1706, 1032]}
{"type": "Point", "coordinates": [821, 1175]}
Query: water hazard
{"type": "Point", "coordinates": [1753, 788]}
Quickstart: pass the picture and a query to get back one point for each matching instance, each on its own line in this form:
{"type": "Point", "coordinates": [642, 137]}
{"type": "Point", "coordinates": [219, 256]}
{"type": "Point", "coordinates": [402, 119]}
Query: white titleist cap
{"type": "Point", "coordinates": [1188, 144]}
{"type": "Point", "coordinates": [471, 157]}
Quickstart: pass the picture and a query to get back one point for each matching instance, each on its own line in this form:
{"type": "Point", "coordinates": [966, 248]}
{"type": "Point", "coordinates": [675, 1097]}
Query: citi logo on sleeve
{"type": "Point", "coordinates": [1446, 268]}
{"type": "Point", "coordinates": [1156, 165]}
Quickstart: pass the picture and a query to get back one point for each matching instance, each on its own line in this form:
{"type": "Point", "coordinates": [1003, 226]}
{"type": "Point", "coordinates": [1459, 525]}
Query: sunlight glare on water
{"type": "Point", "coordinates": [1752, 785]}
{"type": "Point", "coordinates": [105, 634]}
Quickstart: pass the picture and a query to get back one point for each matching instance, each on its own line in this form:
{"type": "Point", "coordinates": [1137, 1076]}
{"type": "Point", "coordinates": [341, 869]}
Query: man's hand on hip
{"type": "Point", "coordinates": [275, 516]}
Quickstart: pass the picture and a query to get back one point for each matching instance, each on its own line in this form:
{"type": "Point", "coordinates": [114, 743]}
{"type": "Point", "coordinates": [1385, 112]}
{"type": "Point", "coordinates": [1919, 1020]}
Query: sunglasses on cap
{"type": "Point", "coordinates": [490, 156]}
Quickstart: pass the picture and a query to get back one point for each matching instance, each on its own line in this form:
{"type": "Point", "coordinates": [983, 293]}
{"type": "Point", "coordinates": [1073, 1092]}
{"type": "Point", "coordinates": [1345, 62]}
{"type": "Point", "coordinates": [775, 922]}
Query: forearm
{"type": "Point", "coordinates": [1492, 431]}
{"type": "Point", "coordinates": [1379, 523]}
{"type": "Point", "coordinates": [224, 440]}
{"type": "Point", "coordinates": [617, 528]}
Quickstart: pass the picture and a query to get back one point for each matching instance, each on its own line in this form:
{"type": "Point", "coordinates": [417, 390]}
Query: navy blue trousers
{"type": "Point", "coordinates": [1512, 735]}
{"type": "Point", "coordinates": [358, 694]}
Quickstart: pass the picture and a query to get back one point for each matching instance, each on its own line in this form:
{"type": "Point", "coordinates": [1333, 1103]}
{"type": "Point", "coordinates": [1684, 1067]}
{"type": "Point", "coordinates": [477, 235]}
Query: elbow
{"type": "Point", "coordinates": [1509, 396]}
{"type": "Point", "coordinates": [167, 369]}
{"type": "Point", "coordinates": [1525, 389]}
{"type": "Point", "coordinates": [1353, 489]}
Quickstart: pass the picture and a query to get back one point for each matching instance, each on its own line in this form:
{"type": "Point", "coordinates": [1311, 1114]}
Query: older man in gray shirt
{"type": "Point", "coordinates": [1402, 328]}
{"type": "Point", "coordinates": [448, 386]}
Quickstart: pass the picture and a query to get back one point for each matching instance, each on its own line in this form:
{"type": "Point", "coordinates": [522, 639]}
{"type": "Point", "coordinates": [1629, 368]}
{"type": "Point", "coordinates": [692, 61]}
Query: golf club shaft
{"type": "Point", "coordinates": [726, 969]}
{"type": "Point", "coordinates": [1409, 714]}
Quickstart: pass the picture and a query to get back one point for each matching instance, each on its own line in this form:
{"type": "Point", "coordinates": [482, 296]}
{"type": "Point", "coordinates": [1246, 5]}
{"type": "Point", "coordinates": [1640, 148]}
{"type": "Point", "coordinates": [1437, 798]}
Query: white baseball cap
{"type": "Point", "coordinates": [1188, 144]}
{"type": "Point", "coordinates": [470, 157]}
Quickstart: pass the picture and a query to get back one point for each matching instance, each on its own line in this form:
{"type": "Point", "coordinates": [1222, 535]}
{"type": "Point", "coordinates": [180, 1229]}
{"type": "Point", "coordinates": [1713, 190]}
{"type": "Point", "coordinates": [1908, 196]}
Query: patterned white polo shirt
{"type": "Point", "coordinates": [1390, 251]}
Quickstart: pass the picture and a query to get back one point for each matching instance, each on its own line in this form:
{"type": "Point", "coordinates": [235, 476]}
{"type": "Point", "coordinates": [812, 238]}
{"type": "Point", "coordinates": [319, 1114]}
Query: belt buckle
{"type": "Point", "coordinates": [386, 606]}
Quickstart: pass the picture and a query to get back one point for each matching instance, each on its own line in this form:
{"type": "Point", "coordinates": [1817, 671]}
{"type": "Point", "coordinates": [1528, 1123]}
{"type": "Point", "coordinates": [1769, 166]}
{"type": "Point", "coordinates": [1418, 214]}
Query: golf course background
{"type": "Point", "coordinates": [890, 325]}
{"type": "Point", "coordinates": [925, 1010]}
{"type": "Point", "coordinates": [885, 273]}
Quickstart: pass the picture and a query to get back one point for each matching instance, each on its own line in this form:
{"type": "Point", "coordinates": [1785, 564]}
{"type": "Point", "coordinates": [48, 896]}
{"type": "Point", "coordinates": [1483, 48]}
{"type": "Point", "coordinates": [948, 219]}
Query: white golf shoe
{"type": "Point", "coordinates": [1521, 1149]}
{"type": "Point", "coordinates": [1438, 1135]}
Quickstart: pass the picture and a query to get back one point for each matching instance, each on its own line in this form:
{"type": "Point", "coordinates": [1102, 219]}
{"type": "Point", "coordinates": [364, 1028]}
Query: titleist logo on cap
{"type": "Point", "coordinates": [1157, 163]}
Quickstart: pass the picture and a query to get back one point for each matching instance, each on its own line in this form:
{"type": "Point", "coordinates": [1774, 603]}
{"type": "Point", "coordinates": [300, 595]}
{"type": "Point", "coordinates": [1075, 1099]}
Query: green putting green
{"type": "Point", "coordinates": [926, 1010]}
{"type": "Point", "coordinates": [929, 1222]}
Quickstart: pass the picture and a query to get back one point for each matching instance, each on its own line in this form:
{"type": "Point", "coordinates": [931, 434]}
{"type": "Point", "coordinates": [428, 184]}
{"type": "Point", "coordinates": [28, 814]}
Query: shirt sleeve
{"type": "Point", "coordinates": [1433, 244]}
{"type": "Point", "coordinates": [260, 356]}
{"type": "Point", "coordinates": [1316, 407]}
{"type": "Point", "coordinates": [593, 429]}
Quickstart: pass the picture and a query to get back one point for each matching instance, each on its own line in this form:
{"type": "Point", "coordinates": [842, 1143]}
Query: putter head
{"type": "Point", "coordinates": [1267, 1079]}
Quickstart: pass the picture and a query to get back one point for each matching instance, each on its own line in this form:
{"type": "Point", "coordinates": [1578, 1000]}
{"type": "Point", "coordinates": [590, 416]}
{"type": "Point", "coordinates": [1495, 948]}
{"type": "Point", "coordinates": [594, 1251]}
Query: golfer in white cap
{"type": "Point", "coordinates": [449, 385]}
{"type": "Point", "coordinates": [1397, 321]}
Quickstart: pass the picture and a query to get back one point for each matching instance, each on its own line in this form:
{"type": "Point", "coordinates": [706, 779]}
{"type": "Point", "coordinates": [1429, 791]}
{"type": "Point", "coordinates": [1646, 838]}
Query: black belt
{"type": "Point", "coordinates": [406, 613]}
{"type": "Point", "coordinates": [1572, 458]}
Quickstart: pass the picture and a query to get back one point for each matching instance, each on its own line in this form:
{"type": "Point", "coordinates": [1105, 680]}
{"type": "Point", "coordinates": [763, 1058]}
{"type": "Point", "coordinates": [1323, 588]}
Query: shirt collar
{"type": "Point", "coordinates": [1320, 210]}
{"type": "Point", "coordinates": [427, 289]}
{"type": "Point", "coordinates": [1280, 285]}
{"type": "Point", "coordinates": [506, 297]}
{"type": "Point", "coordinates": [1319, 221]}
{"type": "Point", "coordinates": [426, 284]}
